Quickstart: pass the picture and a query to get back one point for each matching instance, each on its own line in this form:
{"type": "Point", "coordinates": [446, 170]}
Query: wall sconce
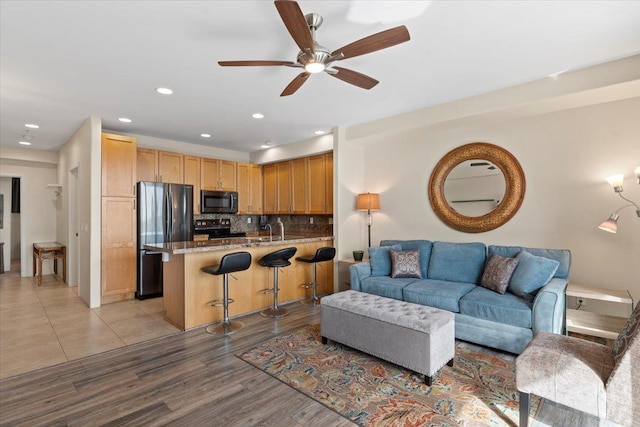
{"type": "Point", "coordinates": [368, 202]}
{"type": "Point", "coordinates": [615, 181]}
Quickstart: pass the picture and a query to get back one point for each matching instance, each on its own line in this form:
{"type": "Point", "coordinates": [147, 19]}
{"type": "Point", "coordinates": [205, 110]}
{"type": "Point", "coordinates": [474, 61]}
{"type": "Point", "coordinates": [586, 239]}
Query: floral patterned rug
{"type": "Point", "coordinates": [479, 390]}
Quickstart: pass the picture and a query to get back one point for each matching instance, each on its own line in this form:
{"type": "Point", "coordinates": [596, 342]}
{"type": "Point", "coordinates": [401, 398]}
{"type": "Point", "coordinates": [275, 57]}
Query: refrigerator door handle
{"type": "Point", "coordinates": [167, 211]}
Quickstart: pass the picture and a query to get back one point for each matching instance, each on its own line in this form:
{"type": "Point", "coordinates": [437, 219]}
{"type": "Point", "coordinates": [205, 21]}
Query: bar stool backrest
{"type": "Point", "coordinates": [324, 254]}
{"type": "Point", "coordinates": [281, 254]}
{"type": "Point", "coordinates": [237, 261]}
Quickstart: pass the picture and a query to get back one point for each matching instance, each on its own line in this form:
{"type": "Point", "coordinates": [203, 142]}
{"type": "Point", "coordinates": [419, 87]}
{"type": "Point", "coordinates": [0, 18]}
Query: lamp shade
{"type": "Point", "coordinates": [637, 172]}
{"type": "Point", "coordinates": [616, 181]}
{"type": "Point", "coordinates": [611, 224]}
{"type": "Point", "coordinates": [368, 202]}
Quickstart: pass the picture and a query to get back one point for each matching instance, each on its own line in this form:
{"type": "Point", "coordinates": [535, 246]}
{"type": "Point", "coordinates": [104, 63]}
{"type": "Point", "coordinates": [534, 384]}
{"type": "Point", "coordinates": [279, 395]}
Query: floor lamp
{"type": "Point", "coordinates": [368, 202]}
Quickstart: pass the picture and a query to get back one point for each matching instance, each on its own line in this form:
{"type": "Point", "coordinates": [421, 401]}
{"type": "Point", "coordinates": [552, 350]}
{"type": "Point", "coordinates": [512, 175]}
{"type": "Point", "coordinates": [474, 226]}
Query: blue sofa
{"type": "Point", "coordinates": [451, 274]}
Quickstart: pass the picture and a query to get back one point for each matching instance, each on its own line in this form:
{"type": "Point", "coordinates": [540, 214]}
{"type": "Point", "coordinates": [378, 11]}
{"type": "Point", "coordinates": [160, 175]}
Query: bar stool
{"type": "Point", "coordinates": [322, 254]}
{"type": "Point", "coordinates": [230, 263]}
{"type": "Point", "coordinates": [276, 260]}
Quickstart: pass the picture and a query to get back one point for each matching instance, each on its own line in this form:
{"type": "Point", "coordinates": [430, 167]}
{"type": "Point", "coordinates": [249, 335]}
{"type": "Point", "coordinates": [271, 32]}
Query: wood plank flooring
{"type": "Point", "coordinates": [187, 379]}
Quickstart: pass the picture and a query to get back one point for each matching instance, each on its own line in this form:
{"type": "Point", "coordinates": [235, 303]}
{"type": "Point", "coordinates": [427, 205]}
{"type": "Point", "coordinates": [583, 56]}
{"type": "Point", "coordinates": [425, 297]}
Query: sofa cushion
{"type": "Point", "coordinates": [437, 293]}
{"type": "Point", "coordinates": [497, 273]}
{"type": "Point", "coordinates": [457, 262]}
{"type": "Point", "coordinates": [405, 264]}
{"type": "Point", "coordinates": [385, 286]}
{"type": "Point", "coordinates": [531, 274]}
{"type": "Point", "coordinates": [380, 260]}
{"type": "Point", "coordinates": [486, 304]}
{"type": "Point", "coordinates": [424, 246]}
{"type": "Point", "coordinates": [563, 256]}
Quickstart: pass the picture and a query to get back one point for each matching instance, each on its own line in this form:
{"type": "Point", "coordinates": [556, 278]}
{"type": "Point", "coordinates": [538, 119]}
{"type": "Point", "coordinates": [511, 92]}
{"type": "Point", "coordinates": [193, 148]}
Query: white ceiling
{"type": "Point", "coordinates": [63, 61]}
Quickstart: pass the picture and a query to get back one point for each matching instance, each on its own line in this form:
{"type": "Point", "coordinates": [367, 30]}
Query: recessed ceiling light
{"type": "Point", "coordinates": [266, 145]}
{"type": "Point", "coordinates": [164, 91]}
{"type": "Point", "coordinates": [32, 126]}
{"type": "Point", "coordinates": [124, 120]}
{"type": "Point", "coordinates": [205, 135]}
{"type": "Point", "coordinates": [257, 116]}
{"type": "Point", "coordinates": [24, 143]}
{"type": "Point", "coordinates": [319, 132]}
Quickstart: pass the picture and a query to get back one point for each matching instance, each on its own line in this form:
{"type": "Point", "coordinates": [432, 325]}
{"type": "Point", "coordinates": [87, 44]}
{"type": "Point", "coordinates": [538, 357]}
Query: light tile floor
{"type": "Point", "coordinates": [46, 325]}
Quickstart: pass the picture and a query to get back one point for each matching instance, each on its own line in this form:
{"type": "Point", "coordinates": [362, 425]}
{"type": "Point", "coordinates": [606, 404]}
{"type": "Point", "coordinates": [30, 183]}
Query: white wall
{"type": "Point", "coordinates": [81, 151]}
{"type": "Point", "coordinates": [308, 147]}
{"type": "Point", "coordinates": [36, 169]}
{"type": "Point", "coordinates": [5, 231]}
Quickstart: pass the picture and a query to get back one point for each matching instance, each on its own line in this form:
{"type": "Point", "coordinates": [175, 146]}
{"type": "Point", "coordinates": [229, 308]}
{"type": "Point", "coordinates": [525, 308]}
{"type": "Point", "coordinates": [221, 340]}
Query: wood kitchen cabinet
{"type": "Point", "coordinates": [218, 174]}
{"type": "Point", "coordinates": [298, 186]}
{"type": "Point", "coordinates": [159, 166]}
{"type": "Point", "coordinates": [192, 176]}
{"type": "Point", "coordinates": [321, 184]}
{"type": "Point", "coordinates": [118, 266]}
{"type": "Point", "coordinates": [283, 177]}
{"type": "Point", "coordinates": [118, 165]}
{"type": "Point", "coordinates": [270, 188]}
{"type": "Point", "coordinates": [249, 183]}
{"type": "Point", "coordinates": [118, 227]}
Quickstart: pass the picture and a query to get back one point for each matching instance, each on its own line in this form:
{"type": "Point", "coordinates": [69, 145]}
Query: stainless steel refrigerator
{"type": "Point", "coordinates": [165, 214]}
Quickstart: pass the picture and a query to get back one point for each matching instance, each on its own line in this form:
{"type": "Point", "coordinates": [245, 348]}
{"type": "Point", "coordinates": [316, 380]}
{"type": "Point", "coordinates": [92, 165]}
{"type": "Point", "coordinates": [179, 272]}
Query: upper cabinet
{"type": "Point", "coordinates": [192, 176]}
{"type": "Point", "coordinates": [321, 184]}
{"type": "Point", "coordinates": [299, 186]}
{"type": "Point", "coordinates": [249, 183]}
{"type": "Point", "coordinates": [159, 166]}
{"type": "Point", "coordinates": [217, 175]}
{"type": "Point", "coordinates": [118, 165]}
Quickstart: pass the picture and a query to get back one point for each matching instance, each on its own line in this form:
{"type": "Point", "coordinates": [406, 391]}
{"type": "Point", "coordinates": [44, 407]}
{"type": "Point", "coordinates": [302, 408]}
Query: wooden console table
{"type": "Point", "coordinates": [49, 250]}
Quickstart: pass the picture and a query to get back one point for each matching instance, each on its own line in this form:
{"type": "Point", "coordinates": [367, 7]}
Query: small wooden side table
{"type": "Point", "coordinates": [49, 250]}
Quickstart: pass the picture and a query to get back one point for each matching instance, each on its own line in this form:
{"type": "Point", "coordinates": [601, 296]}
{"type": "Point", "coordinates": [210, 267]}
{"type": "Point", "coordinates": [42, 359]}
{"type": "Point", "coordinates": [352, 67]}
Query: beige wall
{"type": "Point", "coordinates": [79, 153]}
{"type": "Point", "coordinates": [36, 169]}
{"type": "Point", "coordinates": [5, 231]}
{"type": "Point", "coordinates": [565, 155]}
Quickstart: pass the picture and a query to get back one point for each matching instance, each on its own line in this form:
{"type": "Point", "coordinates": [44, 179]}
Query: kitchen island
{"type": "Point", "coordinates": [188, 292]}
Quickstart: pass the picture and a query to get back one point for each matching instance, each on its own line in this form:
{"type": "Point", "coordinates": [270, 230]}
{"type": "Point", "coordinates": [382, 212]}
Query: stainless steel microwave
{"type": "Point", "coordinates": [218, 201]}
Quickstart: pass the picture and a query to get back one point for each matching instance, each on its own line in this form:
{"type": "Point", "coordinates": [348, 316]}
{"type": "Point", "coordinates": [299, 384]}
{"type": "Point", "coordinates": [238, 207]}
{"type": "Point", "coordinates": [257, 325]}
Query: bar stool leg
{"type": "Point", "coordinates": [227, 326]}
{"type": "Point", "coordinates": [313, 300]}
{"type": "Point", "coordinates": [274, 311]}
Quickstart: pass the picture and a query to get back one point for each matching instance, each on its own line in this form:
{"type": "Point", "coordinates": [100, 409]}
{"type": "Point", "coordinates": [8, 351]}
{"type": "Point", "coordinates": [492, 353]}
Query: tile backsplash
{"type": "Point", "coordinates": [322, 224]}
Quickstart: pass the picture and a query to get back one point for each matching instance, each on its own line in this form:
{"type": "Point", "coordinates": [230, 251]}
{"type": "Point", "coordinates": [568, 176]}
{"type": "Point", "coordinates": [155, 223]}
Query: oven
{"type": "Point", "coordinates": [217, 228]}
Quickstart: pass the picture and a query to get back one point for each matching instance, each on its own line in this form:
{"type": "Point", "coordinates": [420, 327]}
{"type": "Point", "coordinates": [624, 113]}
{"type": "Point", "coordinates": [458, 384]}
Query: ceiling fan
{"type": "Point", "coordinates": [315, 58]}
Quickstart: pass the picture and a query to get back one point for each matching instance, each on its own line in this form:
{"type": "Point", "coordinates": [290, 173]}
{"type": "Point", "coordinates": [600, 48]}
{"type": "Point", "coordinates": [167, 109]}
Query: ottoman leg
{"type": "Point", "coordinates": [324, 340]}
{"type": "Point", "coordinates": [450, 363]}
{"type": "Point", "coordinates": [524, 409]}
{"type": "Point", "coordinates": [428, 380]}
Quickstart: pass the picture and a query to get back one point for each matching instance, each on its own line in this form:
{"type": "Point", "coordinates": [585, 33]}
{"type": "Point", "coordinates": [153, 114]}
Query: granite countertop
{"type": "Point", "coordinates": [177, 248]}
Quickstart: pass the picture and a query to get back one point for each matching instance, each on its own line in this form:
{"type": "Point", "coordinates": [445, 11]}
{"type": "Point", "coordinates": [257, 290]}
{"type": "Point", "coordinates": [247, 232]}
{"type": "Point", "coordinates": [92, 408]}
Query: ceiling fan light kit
{"type": "Point", "coordinates": [315, 58]}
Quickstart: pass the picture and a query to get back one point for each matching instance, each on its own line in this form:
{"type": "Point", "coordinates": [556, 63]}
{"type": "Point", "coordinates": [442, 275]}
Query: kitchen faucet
{"type": "Point", "coordinates": [281, 228]}
{"type": "Point", "coordinates": [270, 231]}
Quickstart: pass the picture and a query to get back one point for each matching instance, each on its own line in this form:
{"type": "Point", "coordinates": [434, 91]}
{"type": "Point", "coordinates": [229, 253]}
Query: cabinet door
{"type": "Point", "coordinates": [192, 176]}
{"type": "Point", "coordinates": [329, 173]}
{"type": "Point", "coordinates": [244, 187]}
{"type": "Point", "coordinates": [255, 183]}
{"type": "Point", "coordinates": [209, 174]}
{"type": "Point", "coordinates": [284, 187]}
{"type": "Point", "coordinates": [147, 165]}
{"type": "Point", "coordinates": [227, 175]}
{"type": "Point", "coordinates": [170, 167]}
{"type": "Point", "coordinates": [317, 185]}
{"type": "Point", "coordinates": [299, 179]}
{"type": "Point", "coordinates": [118, 245]}
{"type": "Point", "coordinates": [270, 188]}
{"type": "Point", "coordinates": [118, 165]}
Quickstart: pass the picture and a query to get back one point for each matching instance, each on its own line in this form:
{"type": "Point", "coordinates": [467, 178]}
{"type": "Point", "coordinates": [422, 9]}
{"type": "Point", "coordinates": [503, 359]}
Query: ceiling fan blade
{"type": "Point", "coordinates": [295, 22]}
{"type": "Point", "coordinates": [355, 78]}
{"type": "Point", "coordinates": [252, 63]}
{"type": "Point", "coordinates": [295, 84]}
{"type": "Point", "coordinates": [378, 41]}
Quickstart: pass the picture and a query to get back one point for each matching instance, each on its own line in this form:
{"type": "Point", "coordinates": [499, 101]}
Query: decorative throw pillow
{"type": "Point", "coordinates": [626, 335]}
{"type": "Point", "coordinates": [380, 260]}
{"type": "Point", "coordinates": [405, 264]}
{"type": "Point", "coordinates": [531, 274]}
{"type": "Point", "coordinates": [497, 273]}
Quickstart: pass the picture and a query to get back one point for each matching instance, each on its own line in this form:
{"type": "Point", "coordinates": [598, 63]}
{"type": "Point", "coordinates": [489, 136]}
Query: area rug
{"type": "Point", "coordinates": [479, 390]}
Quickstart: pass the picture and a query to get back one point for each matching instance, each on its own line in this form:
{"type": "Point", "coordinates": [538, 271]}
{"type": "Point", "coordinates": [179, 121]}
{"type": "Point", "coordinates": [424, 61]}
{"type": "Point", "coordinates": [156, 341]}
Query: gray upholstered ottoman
{"type": "Point", "coordinates": [413, 336]}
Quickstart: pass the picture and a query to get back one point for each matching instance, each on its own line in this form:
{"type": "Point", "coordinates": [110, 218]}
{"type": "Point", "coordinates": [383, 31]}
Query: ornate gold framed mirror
{"type": "Point", "coordinates": [505, 209]}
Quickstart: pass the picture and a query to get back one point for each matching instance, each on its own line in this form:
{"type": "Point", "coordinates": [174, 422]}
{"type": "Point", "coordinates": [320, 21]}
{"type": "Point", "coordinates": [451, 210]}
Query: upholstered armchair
{"type": "Point", "coordinates": [584, 375]}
